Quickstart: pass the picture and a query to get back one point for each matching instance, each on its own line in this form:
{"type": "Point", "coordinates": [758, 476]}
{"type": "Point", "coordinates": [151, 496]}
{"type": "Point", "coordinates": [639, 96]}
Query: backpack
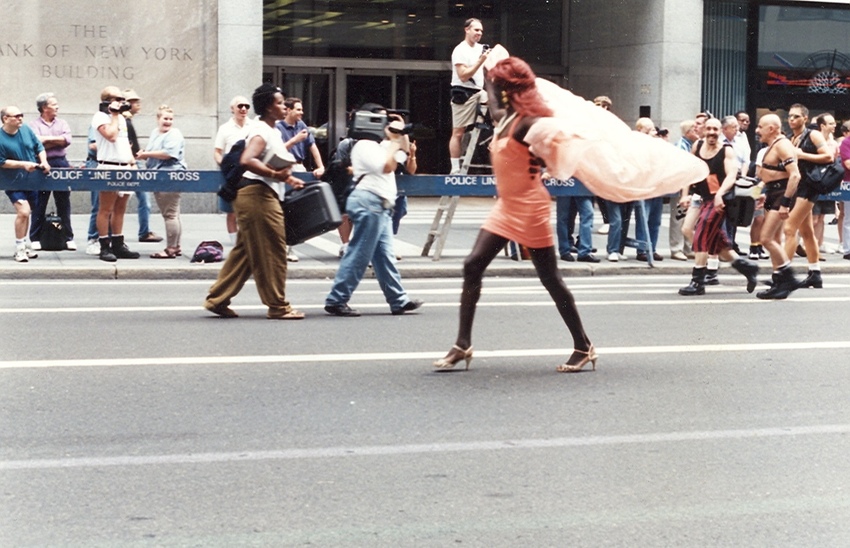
{"type": "Point", "coordinates": [232, 170]}
{"type": "Point", "coordinates": [210, 251]}
{"type": "Point", "coordinates": [53, 233]}
{"type": "Point", "coordinates": [336, 174]}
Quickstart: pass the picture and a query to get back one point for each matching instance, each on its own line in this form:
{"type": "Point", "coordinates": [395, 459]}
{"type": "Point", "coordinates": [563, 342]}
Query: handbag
{"type": "Point", "coordinates": [825, 178]}
{"type": "Point", "coordinates": [740, 204]}
{"type": "Point", "coordinates": [53, 233]}
{"type": "Point", "coordinates": [462, 94]}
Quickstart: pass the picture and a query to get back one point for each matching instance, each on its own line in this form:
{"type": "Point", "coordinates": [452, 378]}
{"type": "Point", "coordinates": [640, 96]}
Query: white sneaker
{"type": "Point", "coordinates": [342, 249]}
{"type": "Point", "coordinates": [93, 247]}
{"type": "Point", "coordinates": [31, 254]}
{"type": "Point", "coordinates": [21, 255]}
{"type": "Point", "coordinates": [603, 229]}
{"type": "Point", "coordinates": [35, 246]}
{"type": "Point", "coordinates": [71, 245]}
{"type": "Point", "coordinates": [290, 255]}
{"type": "Point", "coordinates": [613, 257]}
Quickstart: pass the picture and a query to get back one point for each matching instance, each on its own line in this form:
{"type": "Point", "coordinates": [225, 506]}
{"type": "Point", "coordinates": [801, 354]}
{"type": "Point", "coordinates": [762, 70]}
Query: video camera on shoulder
{"type": "Point", "coordinates": [370, 125]}
{"type": "Point", "coordinates": [104, 107]}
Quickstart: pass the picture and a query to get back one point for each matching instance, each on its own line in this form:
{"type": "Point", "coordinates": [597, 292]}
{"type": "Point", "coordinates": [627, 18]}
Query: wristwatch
{"type": "Point", "coordinates": [785, 201]}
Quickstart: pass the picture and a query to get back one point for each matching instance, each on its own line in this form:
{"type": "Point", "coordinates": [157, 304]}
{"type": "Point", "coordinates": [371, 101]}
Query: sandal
{"type": "Point", "coordinates": [291, 315]}
{"type": "Point", "coordinates": [168, 253]}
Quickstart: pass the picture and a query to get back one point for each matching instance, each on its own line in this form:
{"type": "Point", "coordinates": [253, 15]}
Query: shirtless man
{"type": "Point", "coordinates": [780, 178]}
{"type": "Point", "coordinates": [710, 236]}
{"type": "Point", "coordinates": [811, 149]}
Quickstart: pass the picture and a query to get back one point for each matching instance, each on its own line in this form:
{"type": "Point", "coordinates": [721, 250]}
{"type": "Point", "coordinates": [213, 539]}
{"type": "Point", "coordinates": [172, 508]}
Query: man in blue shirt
{"type": "Point", "coordinates": [20, 148]}
{"type": "Point", "coordinates": [298, 141]}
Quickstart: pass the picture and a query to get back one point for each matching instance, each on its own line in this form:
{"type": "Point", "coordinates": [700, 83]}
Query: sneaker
{"type": "Point", "coordinates": [409, 307]}
{"type": "Point", "coordinates": [93, 247]}
{"type": "Point", "coordinates": [150, 237]}
{"type": "Point", "coordinates": [678, 256]}
{"type": "Point", "coordinates": [613, 257]}
{"type": "Point", "coordinates": [763, 255]}
{"type": "Point", "coordinates": [71, 245]}
{"type": "Point", "coordinates": [603, 229]}
{"type": "Point", "coordinates": [753, 255]}
{"type": "Point", "coordinates": [35, 246]}
{"type": "Point", "coordinates": [341, 310]}
{"type": "Point", "coordinates": [590, 258]}
{"type": "Point", "coordinates": [290, 255]}
{"type": "Point", "coordinates": [21, 255]}
{"type": "Point", "coordinates": [31, 254]}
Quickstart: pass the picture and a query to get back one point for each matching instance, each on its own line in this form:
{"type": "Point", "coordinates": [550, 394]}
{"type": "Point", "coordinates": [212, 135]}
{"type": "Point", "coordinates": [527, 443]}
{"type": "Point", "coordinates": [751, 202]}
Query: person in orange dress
{"type": "Point", "coordinates": [521, 214]}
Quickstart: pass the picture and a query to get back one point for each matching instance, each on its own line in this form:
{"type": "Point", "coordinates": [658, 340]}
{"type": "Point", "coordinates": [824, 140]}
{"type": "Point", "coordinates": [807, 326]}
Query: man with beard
{"type": "Point", "coordinates": [710, 238]}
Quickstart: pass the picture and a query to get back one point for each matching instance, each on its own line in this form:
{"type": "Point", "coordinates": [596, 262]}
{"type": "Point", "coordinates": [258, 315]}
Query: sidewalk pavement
{"type": "Point", "coordinates": [319, 258]}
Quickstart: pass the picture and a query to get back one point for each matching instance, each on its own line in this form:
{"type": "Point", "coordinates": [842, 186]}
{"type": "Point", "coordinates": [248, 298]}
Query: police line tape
{"type": "Point", "coordinates": [209, 181]}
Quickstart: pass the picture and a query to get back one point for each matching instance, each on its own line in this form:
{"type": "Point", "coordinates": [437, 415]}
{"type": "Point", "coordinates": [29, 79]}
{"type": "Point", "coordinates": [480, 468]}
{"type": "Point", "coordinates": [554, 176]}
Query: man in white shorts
{"type": "Point", "coordinates": [467, 82]}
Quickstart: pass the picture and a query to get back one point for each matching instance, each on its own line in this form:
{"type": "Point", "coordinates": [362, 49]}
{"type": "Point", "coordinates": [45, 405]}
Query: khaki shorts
{"type": "Point", "coordinates": [463, 115]}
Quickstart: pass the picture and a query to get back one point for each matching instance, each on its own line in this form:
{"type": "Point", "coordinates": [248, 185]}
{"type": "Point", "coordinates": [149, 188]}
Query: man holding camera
{"type": "Point", "coordinates": [369, 206]}
{"type": "Point", "coordinates": [113, 153]}
{"type": "Point", "coordinates": [467, 82]}
{"type": "Point", "coordinates": [21, 149]}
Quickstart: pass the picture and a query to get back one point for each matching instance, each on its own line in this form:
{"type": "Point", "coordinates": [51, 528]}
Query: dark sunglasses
{"type": "Point", "coordinates": [18, 116]}
{"type": "Point", "coordinates": [243, 105]}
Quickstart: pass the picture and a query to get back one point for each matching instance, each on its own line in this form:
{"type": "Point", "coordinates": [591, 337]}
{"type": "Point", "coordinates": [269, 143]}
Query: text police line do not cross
{"type": "Point", "coordinates": [210, 181]}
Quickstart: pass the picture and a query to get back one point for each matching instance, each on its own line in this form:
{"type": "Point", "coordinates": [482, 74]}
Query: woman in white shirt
{"type": "Point", "coordinates": [260, 249]}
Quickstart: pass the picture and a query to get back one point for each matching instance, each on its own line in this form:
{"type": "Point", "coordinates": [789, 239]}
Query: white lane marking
{"type": "Point", "coordinates": [423, 448]}
{"type": "Point", "coordinates": [699, 301]}
{"type": "Point", "coordinates": [414, 356]}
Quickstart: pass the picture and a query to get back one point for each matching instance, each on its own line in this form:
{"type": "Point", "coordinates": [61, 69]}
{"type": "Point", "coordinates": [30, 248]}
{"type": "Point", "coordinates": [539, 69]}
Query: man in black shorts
{"type": "Point", "coordinates": [779, 177]}
{"type": "Point", "coordinates": [811, 149]}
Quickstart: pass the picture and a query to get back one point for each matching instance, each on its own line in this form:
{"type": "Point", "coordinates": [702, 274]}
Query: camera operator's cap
{"type": "Point", "coordinates": [131, 95]}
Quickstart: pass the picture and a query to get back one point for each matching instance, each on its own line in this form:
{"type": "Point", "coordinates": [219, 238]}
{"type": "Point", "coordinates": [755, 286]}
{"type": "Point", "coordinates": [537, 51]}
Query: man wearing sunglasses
{"type": "Point", "coordinates": [20, 148]}
{"type": "Point", "coordinates": [228, 134]}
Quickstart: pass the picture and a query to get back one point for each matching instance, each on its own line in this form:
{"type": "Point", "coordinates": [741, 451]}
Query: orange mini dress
{"type": "Point", "coordinates": [523, 208]}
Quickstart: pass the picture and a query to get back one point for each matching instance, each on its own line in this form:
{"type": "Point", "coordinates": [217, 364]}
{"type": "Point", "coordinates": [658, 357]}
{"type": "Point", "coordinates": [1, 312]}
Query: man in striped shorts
{"type": "Point", "coordinates": [710, 237]}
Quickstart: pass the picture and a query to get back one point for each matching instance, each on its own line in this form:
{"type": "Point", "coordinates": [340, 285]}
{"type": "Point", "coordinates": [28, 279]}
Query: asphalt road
{"type": "Point", "coordinates": [131, 417]}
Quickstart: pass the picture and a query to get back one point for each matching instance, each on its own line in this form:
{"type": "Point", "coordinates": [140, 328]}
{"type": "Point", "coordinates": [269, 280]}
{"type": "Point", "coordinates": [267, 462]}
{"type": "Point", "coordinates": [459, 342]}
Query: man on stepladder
{"type": "Point", "coordinates": [467, 82]}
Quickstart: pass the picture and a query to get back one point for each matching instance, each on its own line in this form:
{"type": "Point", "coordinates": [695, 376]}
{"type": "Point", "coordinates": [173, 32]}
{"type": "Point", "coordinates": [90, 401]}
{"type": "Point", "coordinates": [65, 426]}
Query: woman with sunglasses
{"type": "Point", "coordinates": [260, 250]}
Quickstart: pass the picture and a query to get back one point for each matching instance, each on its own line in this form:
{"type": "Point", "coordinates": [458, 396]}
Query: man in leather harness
{"type": "Point", "coordinates": [710, 236]}
{"type": "Point", "coordinates": [779, 177]}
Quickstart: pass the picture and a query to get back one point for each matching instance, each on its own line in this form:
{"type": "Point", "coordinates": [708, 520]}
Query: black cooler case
{"type": "Point", "coordinates": [309, 212]}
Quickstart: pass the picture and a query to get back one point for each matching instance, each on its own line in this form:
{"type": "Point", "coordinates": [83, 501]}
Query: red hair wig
{"type": "Point", "coordinates": [515, 77]}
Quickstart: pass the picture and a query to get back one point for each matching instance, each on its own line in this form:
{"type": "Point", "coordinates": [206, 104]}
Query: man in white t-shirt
{"type": "Point", "coordinates": [467, 82]}
{"type": "Point", "coordinates": [228, 134]}
{"type": "Point", "coordinates": [113, 153]}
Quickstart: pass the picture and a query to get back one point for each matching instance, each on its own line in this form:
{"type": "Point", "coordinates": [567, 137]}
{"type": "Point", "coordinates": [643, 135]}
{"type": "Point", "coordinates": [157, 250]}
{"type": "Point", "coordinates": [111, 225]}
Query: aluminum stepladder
{"type": "Point", "coordinates": [439, 230]}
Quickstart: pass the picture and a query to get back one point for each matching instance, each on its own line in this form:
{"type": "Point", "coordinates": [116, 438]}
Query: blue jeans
{"type": "Point", "coordinates": [563, 212]}
{"type": "Point", "coordinates": [653, 207]}
{"type": "Point", "coordinates": [615, 226]}
{"type": "Point", "coordinates": [144, 214]}
{"type": "Point", "coordinates": [372, 240]}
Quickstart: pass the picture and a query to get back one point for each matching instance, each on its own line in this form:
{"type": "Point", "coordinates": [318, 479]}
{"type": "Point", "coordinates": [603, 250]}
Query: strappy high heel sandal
{"type": "Point", "coordinates": [590, 356]}
{"type": "Point", "coordinates": [444, 364]}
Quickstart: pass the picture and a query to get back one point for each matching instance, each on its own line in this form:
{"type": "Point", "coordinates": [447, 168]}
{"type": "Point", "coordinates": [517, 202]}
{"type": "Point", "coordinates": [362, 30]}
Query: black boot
{"type": "Point", "coordinates": [711, 277]}
{"type": "Point", "coordinates": [697, 285]}
{"type": "Point", "coordinates": [120, 249]}
{"type": "Point", "coordinates": [750, 270]}
{"type": "Point", "coordinates": [784, 283]}
{"type": "Point", "coordinates": [814, 279]}
{"type": "Point", "coordinates": [106, 251]}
